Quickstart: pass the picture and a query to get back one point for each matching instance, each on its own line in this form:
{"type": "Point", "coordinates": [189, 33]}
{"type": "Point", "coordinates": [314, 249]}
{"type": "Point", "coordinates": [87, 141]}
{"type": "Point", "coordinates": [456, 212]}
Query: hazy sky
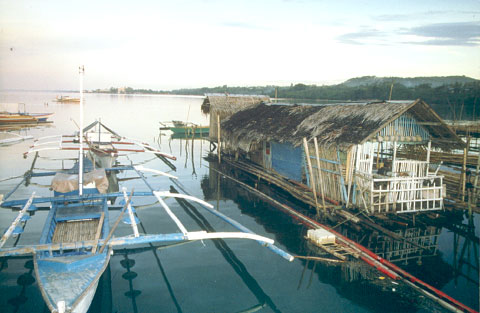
{"type": "Point", "coordinates": [172, 44]}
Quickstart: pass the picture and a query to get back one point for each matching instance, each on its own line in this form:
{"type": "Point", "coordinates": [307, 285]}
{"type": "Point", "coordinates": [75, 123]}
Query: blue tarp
{"type": "Point", "coordinates": [287, 160]}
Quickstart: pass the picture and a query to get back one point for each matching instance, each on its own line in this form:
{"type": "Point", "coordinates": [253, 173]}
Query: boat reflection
{"type": "Point", "coordinates": [23, 281]}
{"type": "Point", "coordinates": [237, 265]}
{"type": "Point", "coordinates": [187, 145]}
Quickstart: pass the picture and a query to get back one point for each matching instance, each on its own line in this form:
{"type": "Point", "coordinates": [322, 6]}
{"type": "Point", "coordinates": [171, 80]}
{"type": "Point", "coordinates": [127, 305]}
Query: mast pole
{"type": "Point", "coordinates": [80, 156]}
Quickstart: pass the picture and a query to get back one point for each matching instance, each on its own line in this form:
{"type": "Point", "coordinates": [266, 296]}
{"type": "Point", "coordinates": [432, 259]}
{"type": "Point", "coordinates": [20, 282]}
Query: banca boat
{"type": "Point", "coordinates": [23, 118]}
{"type": "Point", "coordinates": [185, 128]}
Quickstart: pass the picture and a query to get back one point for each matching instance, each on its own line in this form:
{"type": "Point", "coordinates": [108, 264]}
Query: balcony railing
{"type": "Point", "coordinates": [401, 194]}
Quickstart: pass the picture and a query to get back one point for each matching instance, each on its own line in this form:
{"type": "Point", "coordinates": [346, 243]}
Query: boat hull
{"type": "Point", "coordinates": [72, 279]}
{"type": "Point", "coordinates": [69, 277]}
{"type": "Point", "coordinates": [23, 118]}
{"type": "Point", "coordinates": [190, 130]}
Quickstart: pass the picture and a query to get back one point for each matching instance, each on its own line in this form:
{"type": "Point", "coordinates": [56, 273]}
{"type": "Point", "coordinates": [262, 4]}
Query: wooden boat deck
{"type": "Point", "coordinates": [74, 231]}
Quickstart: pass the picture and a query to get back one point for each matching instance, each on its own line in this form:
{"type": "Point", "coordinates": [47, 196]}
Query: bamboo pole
{"type": "Point", "coordinates": [316, 258]}
{"type": "Point", "coordinates": [99, 232]}
{"type": "Point", "coordinates": [16, 221]}
{"type": "Point", "coordinates": [394, 158]}
{"type": "Point", "coordinates": [464, 170]}
{"type": "Point", "coordinates": [320, 175]}
{"type": "Point", "coordinates": [310, 169]}
{"type": "Point", "coordinates": [378, 152]}
{"type": "Point", "coordinates": [349, 172]}
{"type": "Point", "coordinates": [340, 171]}
{"type": "Point", "coordinates": [476, 191]}
{"type": "Point", "coordinates": [218, 139]}
{"type": "Point", "coordinates": [130, 214]}
{"type": "Point", "coordinates": [429, 148]}
{"type": "Point", "coordinates": [119, 218]}
{"type": "Point", "coordinates": [80, 159]}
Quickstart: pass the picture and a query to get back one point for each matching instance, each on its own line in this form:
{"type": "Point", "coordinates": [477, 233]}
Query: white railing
{"type": "Point", "coordinates": [400, 194]}
{"type": "Point", "coordinates": [411, 167]}
{"type": "Point", "coordinates": [406, 194]}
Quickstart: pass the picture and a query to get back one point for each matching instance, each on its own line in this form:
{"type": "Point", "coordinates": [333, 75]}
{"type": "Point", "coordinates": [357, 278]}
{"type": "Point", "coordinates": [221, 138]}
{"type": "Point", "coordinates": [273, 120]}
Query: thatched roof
{"type": "Point", "coordinates": [226, 103]}
{"type": "Point", "coordinates": [341, 124]}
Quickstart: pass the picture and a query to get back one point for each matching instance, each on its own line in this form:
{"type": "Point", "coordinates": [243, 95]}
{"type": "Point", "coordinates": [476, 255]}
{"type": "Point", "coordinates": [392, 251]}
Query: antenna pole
{"type": "Point", "coordinates": [80, 157]}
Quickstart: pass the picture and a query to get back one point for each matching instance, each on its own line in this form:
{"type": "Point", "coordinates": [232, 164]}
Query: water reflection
{"type": "Point", "coordinates": [228, 254]}
{"type": "Point", "coordinates": [465, 249]}
{"type": "Point", "coordinates": [419, 254]}
{"type": "Point", "coordinates": [24, 281]}
{"type": "Point", "coordinates": [187, 144]}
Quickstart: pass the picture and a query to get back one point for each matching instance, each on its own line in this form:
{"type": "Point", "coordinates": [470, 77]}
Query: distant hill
{"type": "Point", "coordinates": [409, 82]}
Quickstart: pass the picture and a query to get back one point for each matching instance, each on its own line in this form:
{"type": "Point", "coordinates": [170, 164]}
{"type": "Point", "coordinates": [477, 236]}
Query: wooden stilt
{"type": "Point", "coordinates": [312, 179]}
{"type": "Point", "coordinates": [320, 176]}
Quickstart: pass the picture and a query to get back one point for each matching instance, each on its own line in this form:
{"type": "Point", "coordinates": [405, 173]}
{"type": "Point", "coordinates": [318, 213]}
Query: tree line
{"type": "Point", "coordinates": [451, 101]}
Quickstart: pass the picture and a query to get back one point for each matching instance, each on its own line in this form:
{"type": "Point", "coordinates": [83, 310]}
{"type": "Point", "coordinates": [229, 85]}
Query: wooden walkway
{"type": "Point", "coordinates": [74, 231]}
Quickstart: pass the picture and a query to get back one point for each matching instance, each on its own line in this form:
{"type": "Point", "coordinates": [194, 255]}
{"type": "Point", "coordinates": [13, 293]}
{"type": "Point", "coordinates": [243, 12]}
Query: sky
{"type": "Point", "coordinates": [164, 45]}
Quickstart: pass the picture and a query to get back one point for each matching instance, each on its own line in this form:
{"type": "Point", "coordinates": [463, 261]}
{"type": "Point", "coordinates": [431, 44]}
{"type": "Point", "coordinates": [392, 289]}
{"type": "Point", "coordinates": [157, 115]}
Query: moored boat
{"type": "Point", "coordinates": [68, 279]}
{"type": "Point", "coordinates": [23, 118]}
{"type": "Point", "coordinates": [67, 99]}
{"type": "Point", "coordinates": [185, 128]}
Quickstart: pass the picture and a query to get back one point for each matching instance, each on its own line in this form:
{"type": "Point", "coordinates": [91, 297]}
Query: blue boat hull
{"type": "Point", "coordinates": [72, 279]}
{"type": "Point", "coordinates": [68, 278]}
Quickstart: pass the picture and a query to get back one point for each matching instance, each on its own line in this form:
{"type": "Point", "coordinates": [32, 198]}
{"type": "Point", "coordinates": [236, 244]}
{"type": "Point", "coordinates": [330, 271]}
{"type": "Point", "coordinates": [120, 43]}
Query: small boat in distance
{"type": "Point", "coordinates": [23, 118]}
{"type": "Point", "coordinates": [67, 99]}
{"type": "Point", "coordinates": [185, 128]}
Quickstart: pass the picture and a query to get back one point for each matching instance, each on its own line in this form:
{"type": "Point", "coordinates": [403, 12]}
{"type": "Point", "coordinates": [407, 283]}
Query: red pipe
{"type": "Point", "coordinates": [388, 264]}
{"type": "Point", "coordinates": [385, 271]}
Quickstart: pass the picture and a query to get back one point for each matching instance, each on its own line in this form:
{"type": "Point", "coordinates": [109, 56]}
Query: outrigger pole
{"type": "Point", "coordinates": [80, 159]}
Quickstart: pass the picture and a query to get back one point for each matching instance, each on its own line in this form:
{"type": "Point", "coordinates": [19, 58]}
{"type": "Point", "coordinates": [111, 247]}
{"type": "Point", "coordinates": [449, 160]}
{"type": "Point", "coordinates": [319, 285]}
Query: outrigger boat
{"type": "Point", "coordinates": [77, 240]}
{"type": "Point", "coordinates": [102, 143]}
{"type": "Point", "coordinates": [185, 128]}
{"type": "Point", "coordinates": [23, 118]}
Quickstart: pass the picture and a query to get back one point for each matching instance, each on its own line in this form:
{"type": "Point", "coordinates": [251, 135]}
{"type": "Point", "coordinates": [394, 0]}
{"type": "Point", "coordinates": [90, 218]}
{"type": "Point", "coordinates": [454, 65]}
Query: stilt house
{"type": "Point", "coordinates": [349, 154]}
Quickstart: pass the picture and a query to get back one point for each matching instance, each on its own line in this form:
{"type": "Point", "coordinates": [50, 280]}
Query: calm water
{"type": "Point", "coordinates": [229, 276]}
